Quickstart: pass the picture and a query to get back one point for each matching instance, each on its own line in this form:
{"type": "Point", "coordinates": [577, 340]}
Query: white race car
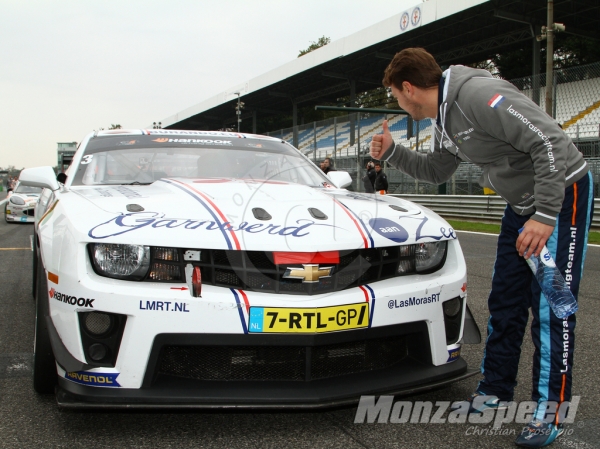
{"type": "Point", "coordinates": [21, 204]}
{"type": "Point", "coordinates": [217, 269]}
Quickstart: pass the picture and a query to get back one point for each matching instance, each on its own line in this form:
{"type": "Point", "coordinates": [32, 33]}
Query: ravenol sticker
{"type": "Point", "coordinates": [389, 229]}
{"type": "Point", "coordinates": [453, 354]}
{"type": "Point", "coordinates": [93, 379]}
{"type": "Point", "coordinates": [496, 101]}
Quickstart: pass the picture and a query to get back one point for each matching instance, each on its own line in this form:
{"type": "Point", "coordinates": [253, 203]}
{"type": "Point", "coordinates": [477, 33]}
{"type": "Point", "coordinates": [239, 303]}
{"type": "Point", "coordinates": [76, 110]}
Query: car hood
{"type": "Point", "coordinates": [27, 197]}
{"type": "Point", "coordinates": [249, 215]}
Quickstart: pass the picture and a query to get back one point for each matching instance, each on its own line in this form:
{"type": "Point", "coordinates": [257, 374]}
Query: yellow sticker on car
{"type": "Point", "coordinates": [308, 320]}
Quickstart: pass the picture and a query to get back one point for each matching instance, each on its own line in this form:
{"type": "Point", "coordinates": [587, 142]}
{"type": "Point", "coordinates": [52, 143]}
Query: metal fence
{"type": "Point", "coordinates": [576, 91]}
{"type": "Point", "coordinates": [484, 208]}
{"type": "Point", "coordinates": [464, 181]}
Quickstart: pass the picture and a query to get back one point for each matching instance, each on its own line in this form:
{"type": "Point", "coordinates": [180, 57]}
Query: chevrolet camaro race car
{"type": "Point", "coordinates": [21, 204]}
{"type": "Point", "coordinates": [217, 269]}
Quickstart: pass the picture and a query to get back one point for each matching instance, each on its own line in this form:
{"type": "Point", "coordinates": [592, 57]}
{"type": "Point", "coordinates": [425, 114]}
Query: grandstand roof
{"type": "Point", "coordinates": [457, 32]}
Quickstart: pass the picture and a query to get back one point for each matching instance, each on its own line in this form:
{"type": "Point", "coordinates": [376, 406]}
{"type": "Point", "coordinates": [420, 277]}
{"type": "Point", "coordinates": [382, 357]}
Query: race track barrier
{"type": "Point", "coordinates": [482, 208]}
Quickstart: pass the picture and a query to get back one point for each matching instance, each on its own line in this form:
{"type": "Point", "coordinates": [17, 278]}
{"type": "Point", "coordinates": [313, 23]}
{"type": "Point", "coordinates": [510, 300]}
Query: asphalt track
{"type": "Point", "coordinates": [28, 420]}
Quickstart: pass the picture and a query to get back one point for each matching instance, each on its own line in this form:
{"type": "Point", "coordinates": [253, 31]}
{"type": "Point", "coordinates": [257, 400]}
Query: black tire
{"type": "Point", "coordinates": [44, 365]}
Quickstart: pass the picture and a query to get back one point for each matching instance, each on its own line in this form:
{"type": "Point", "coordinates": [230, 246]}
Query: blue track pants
{"type": "Point", "coordinates": [515, 290]}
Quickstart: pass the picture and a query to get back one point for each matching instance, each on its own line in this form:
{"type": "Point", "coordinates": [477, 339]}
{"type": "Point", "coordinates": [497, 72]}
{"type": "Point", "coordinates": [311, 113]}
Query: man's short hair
{"type": "Point", "coordinates": [414, 65]}
{"type": "Point", "coordinates": [377, 164]}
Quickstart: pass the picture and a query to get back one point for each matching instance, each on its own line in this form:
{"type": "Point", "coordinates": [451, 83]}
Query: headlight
{"type": "Point", "coordinates": [429, 256]}
{"type": "Point", "coordinates": [130, 262]}
{"type": "Point", "coordinates": [17, 200]}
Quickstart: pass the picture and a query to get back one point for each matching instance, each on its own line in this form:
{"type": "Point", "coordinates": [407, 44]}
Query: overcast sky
{"type": "Point", "coordinates": [68, 67]}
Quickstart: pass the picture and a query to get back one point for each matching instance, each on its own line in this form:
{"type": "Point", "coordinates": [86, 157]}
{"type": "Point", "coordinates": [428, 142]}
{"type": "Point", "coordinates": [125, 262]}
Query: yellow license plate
{"type": "Point", "coordinates": [309, 320]}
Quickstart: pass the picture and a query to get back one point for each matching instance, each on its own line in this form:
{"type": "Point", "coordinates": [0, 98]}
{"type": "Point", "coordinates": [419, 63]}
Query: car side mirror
{"type": "Point", "coordinates": [340, 179]}
{"type": "Point", "coordinates": [61, 177]}
{"type": "Point", "coordinates": [43, 177]}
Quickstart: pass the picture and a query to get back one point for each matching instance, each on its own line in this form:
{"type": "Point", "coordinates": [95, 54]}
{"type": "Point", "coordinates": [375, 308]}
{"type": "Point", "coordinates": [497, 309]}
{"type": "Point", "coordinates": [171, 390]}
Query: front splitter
{"type": "Point", "coordinates": [74, 396]}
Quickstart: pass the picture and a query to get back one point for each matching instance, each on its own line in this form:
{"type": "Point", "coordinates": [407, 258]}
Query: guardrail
{"type": "Point", "coordinates": [483, 208]}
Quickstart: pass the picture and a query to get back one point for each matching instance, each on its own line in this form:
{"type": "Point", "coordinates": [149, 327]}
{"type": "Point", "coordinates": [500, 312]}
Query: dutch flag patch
{"type": "Point", "coordinates": [495, 101]}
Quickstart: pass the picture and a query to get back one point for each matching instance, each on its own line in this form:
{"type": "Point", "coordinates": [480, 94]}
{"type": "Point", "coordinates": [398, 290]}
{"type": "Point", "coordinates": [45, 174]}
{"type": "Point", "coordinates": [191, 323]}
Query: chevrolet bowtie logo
{"type": "Point", "coordinates": [310, 273]}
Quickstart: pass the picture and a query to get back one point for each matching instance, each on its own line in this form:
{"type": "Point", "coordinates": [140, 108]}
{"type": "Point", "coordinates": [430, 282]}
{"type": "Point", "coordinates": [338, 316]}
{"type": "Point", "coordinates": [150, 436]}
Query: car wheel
{"type": "Point", "coordinates": [44, 365]}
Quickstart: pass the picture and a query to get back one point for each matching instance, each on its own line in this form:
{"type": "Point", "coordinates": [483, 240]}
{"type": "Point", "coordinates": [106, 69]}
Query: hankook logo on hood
{"type": "Point", "coordinates": [201, 141]}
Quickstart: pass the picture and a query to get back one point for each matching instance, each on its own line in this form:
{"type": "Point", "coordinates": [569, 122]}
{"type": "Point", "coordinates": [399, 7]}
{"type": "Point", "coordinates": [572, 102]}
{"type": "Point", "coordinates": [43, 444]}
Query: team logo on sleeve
{"type": "Point", "coordinates": [495, 101]}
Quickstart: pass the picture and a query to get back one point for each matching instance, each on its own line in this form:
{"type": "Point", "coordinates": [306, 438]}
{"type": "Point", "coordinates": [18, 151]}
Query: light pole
{"type": "Point", "coordinates": [548, 34]}
{"type": "Point", "coordinates": [238, 111]}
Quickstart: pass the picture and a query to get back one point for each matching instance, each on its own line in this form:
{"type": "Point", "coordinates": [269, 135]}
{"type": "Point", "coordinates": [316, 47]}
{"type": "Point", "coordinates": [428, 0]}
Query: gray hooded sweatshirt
{"type": "Point", "coordinates": [526, 157]}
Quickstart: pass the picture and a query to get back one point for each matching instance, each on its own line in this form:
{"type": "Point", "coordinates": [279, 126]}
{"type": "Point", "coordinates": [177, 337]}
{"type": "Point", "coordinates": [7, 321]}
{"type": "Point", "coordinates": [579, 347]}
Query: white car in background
{"type": "Point", "coordinates": [20, 204]}
{"type": "Point", "coordinates": [217, 269]}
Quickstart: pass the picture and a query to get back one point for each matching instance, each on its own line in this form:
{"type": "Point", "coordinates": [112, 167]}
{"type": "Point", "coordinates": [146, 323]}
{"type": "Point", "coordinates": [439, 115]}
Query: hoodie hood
{"type": "Point", "coordinates": [455, 77]}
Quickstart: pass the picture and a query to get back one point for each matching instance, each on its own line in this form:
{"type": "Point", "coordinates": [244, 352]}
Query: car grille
{"type": "Point", "coordinates": [256, 270]}
{"type": "Point", "coordinates": [282, 363]}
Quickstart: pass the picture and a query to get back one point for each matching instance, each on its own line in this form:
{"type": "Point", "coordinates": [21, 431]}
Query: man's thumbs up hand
{"type": "Point", "coordinates": [381, 142]}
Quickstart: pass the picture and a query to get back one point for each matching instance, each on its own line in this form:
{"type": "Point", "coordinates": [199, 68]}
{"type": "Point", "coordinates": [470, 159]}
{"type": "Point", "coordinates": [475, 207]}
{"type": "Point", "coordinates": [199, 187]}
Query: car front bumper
{"type": "Point", "coordinates": [20, 214]}
{"type": "Point", "coordinates": [220, 321]}
{"type": "Point", "coordinates": [413, 373]}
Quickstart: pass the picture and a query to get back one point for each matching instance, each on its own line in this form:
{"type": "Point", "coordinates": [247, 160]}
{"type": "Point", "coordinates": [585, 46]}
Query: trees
{"type": "Point", "coordinates": [314, 45]}
{"type": "Point", "coordinates": [11, 170]}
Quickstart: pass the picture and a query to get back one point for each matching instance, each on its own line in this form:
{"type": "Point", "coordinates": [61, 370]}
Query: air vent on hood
{"type": "Point", "coordinates": [398, 208]}
{"type": "Point", "coordinates": [261, 214]}
{"type": "Point", "coordinates": [316, 213]}
{"type": "Point", "coordinates": [134, 208]}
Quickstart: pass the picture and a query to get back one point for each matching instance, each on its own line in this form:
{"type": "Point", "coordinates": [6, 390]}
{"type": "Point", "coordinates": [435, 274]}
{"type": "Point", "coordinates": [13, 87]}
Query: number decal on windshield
{"type": "Point", "coordinates": [87, 158]}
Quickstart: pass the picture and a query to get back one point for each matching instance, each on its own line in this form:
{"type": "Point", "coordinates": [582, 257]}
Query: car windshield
{"type": "Point", "coordinates": [27, 189]}
{"type": "Point", "coordinates": [145, 159]}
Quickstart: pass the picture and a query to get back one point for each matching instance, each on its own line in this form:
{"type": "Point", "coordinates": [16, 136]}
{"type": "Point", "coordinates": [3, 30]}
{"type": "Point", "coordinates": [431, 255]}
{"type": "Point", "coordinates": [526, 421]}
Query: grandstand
{"type": "Point", "coordinates": [577, 105]}
{"type": "Point", "coordinates": [577, 110]}
{"type": "Point", "coordinates": [332, 138]}
{"type": "Point", "coordinates": [457, 32]}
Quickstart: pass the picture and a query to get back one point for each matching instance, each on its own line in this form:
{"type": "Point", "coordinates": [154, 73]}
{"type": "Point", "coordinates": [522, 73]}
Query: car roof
{"type": "Point", "coordinates": [181, 132]}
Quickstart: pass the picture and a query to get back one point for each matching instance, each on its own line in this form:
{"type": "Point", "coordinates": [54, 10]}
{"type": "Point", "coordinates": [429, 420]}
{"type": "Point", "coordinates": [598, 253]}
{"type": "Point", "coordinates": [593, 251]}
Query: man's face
{"type": "Point", "coordinates": [406, 101]}
{"type": "Point", "coordinates": [377, 168]}
{"type": "Point", "coordinates": [322, 165]}
{"type": "Point", "coordinates": [326, 163]}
